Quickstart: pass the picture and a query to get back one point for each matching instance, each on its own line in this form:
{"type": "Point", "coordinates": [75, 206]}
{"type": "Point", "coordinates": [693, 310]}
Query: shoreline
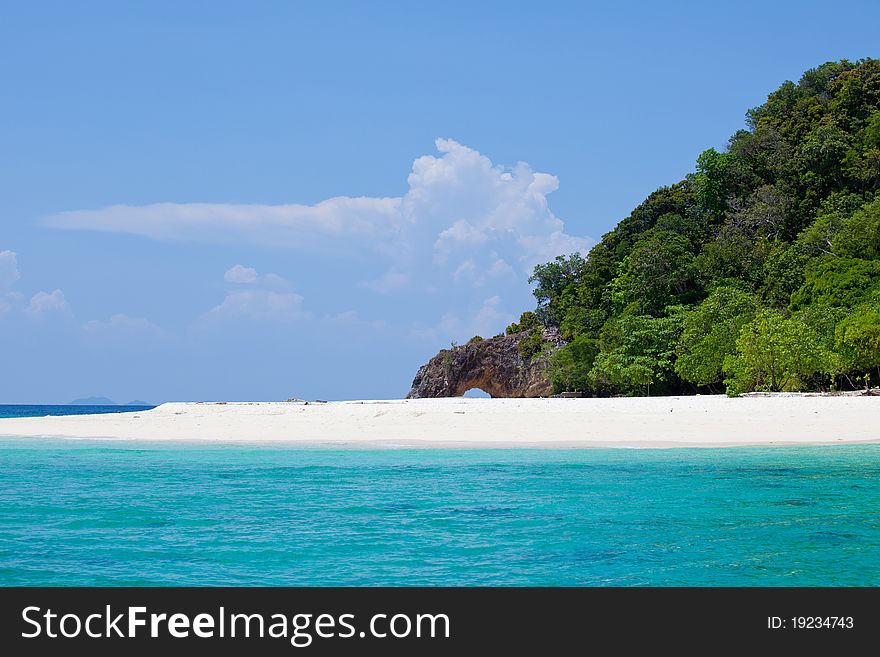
{"type": "Point", "coordinates": [456, 423]}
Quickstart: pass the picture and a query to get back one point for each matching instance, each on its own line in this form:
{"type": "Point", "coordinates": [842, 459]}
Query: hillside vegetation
{"type": "Point", "coordinates": [759, 271]}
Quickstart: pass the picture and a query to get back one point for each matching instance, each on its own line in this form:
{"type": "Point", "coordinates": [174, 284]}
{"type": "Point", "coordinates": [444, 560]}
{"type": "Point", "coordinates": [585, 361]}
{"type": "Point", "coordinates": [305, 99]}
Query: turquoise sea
{"type": "Point", "coordinates": [98, 513]}
{"type": "Point", "coordinates": [42, 410]}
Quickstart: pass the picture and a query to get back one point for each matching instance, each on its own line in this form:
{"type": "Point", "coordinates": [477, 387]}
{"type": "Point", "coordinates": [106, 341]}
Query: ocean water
{"type": "Point", "coordinates": [93, 513]}
{"type": "Point", "coordinates": [42, 410]}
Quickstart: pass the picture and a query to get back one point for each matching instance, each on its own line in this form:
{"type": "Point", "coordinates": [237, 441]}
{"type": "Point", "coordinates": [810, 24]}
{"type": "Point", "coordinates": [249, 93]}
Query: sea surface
{"type": "Point", "coordinates": [42, 410]}
{"type": "Point", "coordinates": [99, 513]}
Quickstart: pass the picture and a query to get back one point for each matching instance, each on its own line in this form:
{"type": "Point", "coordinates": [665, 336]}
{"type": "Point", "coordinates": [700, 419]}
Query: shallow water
{"type": "Point", "coordinates": [98, 513]}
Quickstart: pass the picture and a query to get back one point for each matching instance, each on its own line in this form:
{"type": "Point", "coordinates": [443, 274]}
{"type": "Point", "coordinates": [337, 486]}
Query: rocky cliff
{"type": "Point", "coordinates": [496, 366]}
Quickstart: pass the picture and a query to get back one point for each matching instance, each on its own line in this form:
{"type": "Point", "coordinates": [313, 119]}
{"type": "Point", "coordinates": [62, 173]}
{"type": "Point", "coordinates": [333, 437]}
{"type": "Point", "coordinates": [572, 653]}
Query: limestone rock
{"type": "Point", "coordinates": [494, 365]}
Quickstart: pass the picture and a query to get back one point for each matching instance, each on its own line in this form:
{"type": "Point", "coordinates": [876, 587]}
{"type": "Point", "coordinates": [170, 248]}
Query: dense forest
{"type": "Point", "coordinates": [758, 272]}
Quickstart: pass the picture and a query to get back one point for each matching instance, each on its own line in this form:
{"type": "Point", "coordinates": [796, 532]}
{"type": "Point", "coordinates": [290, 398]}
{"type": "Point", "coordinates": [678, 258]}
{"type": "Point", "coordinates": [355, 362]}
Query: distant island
{"type": "Point", "coordinates": [93, 401]}
{"type": "Point", "coordinates": [104, 401]}
{"type": "Point", "coordinates": [760, 271]}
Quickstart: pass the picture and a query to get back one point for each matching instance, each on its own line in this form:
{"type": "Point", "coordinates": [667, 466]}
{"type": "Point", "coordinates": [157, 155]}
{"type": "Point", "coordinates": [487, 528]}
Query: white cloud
{"type": "Point", "coordinates": [464, 230]}
{"type": "Point", "coordinates": [240, 274]}
{"type": "Point", "coordinates": [500, 268]}
{"type": "Point", "coordinates": [488, 320]}
{"type": "Point", "coordinates": [274, 280]}
{"type": "Point", "coordinates": [490, 317]}
{"type": "Point", "coordinates": [258, 301]}
{"type": "Point", "coordinates": [261, 305]}
{"type": "Point", "coordinates": [8, 269]}
{"type": "Point", "coordinates": [45, 303]}
{"type": "Point", "coordinates": [8, 300]}
{"type": "Point", "coordinates": [457, 201]}
{"type": "Point", "coordinates": [469, 271]}
{"type": "Point", "coordinates": [458, 234]}
{"type": "Point", "coordinates": [466, 270]}
{"type": "Point", "coordinates": [289, 225]}
{"type": "Point", "coordinates": [391, 281]}
{"type": "Point", "coordinates": [473, 203]}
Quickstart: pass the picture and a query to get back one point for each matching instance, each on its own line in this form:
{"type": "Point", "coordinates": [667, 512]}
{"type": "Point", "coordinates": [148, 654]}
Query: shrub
{"type": "Point", "coordinates": [531, 344]}
{"type": "Point", "coordinates": [528, 320]}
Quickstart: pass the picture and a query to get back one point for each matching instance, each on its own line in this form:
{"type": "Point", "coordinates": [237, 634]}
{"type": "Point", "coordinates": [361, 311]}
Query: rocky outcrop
{"type": "Point", "coordinates": [496, 366]}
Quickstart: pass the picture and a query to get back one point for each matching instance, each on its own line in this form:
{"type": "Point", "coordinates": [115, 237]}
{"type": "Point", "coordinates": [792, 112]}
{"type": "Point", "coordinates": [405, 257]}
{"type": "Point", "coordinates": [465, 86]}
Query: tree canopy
{"type": "Point", "coordinates": [759, 271]}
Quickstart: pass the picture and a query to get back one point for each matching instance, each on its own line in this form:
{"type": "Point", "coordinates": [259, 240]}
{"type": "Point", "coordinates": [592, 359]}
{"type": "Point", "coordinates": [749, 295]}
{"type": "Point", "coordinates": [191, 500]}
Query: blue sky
{"type": "Point", "coordinates": [216, 200]}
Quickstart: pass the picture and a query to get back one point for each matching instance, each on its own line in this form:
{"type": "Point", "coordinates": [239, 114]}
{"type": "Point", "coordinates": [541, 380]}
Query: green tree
{"type": "Point", "coordinates": [694, 231]}
{"type": "Point", "coordinates": [571, 364]}
{"type": "Point", "coordinates": [840, 282]}
{"type": "Point", "coordinates": [712, 181]}
{"type": "Point", "coordinates": [773, 353]}
{"type": "Point", "coordinates": [659, 272]}
{"type": "Point", "coordinates": [822, 319]}
{"type": "Point", "coordinates": [858, 339]}
{"type": "Point", "coordinates": [822, 153]}
{"type": "Point", "coordinates": [675, 199]}
{"type": "Point", "coordinates": [734, 254]}
{"type": "Point", "coordinates": [579, 316]}
{"type": "Point", "coordinates": [789, 213]}
{"type": "Point", "coordinates": [551, 280]}
{"type": "Point", "coordinates": [710, 332]}
{"type": "Point", "coordinates": [783, 273]}
{"type": "Point", "coordinates": [638, 352]}
{"type": "Point", "coordinates": [860, 235]}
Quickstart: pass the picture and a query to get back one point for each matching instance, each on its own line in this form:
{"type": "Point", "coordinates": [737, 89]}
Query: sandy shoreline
{"type": "Point", "coordinates": [660, 422]}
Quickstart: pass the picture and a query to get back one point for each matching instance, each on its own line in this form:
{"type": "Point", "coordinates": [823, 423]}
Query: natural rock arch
{"type": "Point", "coordinates": [476, 393]}
{"type": "Point", "coordinates": [494, 366]}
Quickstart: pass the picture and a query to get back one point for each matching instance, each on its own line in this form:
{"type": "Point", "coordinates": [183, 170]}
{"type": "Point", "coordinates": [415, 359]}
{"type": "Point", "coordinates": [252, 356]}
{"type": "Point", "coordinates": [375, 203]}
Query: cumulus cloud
{"type": "Point", "coordinates": [458, 203]}
{"type": "Point", "coordinates": [490, 318]}
{"type": "Point", "coordinates": [471, 203]}
{"type": "Point", "coordinates": [240, 274]}
{"type": "Point", "coordinates": [500, 268]}
{"type": "Point", "coordinates": [469, 272]}
{"type": "Point", "coordinates": [466, 230]}
{"type": "Point", "coordinates": [8, 269]}
{"type": "Point", "coordinates": [466, 270]}
{"type": "Point", "coordinates": [258, 297]}
{"type": "Point", "coordinates": [274, 280]}
{"type": "Point", "coordinates": [459, 233]}
{"type": "Point", "coordinates": [261, 305]}
{"type": "Point", "coordinates": [9, 301]}
{"type": "Point", "coordinates": [47, 303]}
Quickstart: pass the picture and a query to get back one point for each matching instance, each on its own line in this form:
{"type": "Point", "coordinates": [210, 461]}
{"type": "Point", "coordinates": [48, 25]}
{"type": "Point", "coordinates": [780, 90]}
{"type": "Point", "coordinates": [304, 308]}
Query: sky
{"type": "Point", "coordinates": [263, 200]}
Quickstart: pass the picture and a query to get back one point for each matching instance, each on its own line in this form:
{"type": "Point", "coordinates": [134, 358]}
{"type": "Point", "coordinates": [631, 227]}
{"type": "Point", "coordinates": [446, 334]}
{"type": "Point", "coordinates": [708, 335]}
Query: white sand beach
{"type": "Point", "coordinates": [660, 422]}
